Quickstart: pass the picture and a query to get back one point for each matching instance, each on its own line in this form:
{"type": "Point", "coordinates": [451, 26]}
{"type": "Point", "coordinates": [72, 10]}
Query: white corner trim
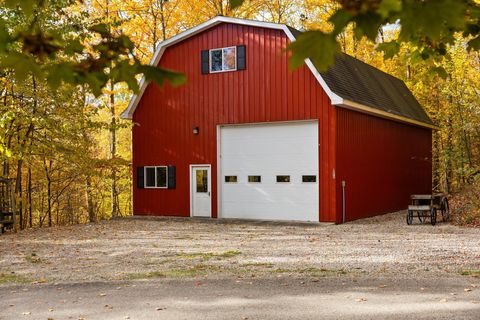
{"type": "Point", "coordinates": [128, 113]}
{"type": "Point", "coordinates": [347, 104]}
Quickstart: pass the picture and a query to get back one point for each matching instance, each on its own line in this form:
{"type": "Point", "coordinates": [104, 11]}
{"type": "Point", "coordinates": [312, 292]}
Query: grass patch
{"type": "Point", "coordinates": [13, 278]}
{"type": "Point", "coordinates": [33, 258]}
{"type": "Point", "coordinates": [473, 273]}
{"type": "Point", "coordinates": [205, 256]}
{"type": "Point", "coordinates": [197, 270]}
{"type": "Point", "coordinates": [312, 271]}
{"type": "Point", "coordinates": [144, 275]}
{"type": "Point", "coordinates": [258, 264]}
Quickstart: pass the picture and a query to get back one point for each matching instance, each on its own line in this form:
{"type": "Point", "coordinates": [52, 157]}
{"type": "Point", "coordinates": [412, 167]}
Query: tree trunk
{"type": "Point", "coordinates": [89, 194]}
{"type": "Point", "coordinates": [49, 190]}
{"type": "Point", "coordinates": [113, 152]}
{"type": "Point", "coordinates": [29, 194]}
{"type": "Point", "coordinates": [18, 193]}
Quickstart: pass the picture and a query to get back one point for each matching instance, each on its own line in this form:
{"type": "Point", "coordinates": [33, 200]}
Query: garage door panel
{"type": "Point", "coordinates": [267, 151]}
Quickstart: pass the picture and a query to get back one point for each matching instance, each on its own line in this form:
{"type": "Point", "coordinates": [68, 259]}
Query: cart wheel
{"type": "Point", "coordinates": [409, 217]}
{"type": "Point", "coordinates": [433, 216]}
{"type": "Point", "coordinates": [421, 216]}
{"type": "Point", "coordinates": [445, 210]}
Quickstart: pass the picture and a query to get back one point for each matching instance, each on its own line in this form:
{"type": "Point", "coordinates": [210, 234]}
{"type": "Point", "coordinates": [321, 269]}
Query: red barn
{"type": "Point", "coordinates": [247, 138]}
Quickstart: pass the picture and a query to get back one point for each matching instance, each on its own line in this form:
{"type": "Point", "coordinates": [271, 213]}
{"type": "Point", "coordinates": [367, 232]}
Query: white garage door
{"type": "Point", "coordinates": [269, 171]}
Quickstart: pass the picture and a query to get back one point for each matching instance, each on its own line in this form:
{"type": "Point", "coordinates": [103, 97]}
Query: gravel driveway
{"type": "Point", "coordinates": [129, 249]}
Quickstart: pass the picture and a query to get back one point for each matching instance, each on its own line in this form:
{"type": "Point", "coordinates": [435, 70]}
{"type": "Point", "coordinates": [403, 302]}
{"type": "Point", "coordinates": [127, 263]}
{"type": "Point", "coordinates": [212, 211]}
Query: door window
{"type": "Point", "coordinates": [202, 181]}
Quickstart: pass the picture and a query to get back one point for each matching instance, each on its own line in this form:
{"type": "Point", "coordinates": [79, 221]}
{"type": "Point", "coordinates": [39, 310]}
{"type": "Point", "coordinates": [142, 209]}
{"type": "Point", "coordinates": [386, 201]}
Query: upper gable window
{"type": "Point", "coordinates": [223, 59]}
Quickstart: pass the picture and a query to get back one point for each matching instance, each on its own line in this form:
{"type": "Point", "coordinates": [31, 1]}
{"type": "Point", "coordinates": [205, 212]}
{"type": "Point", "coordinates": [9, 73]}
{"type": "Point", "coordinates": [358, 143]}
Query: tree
{"type": "Point", "coordinates": [50, 40]}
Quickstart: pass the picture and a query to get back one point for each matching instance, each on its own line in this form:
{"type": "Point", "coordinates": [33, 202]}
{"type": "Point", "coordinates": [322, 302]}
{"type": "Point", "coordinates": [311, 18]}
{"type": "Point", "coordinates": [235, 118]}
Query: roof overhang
{"type": "Point", "coordinates": [347, 104]}
{"type": "Point", "coordinates": [334, 98]}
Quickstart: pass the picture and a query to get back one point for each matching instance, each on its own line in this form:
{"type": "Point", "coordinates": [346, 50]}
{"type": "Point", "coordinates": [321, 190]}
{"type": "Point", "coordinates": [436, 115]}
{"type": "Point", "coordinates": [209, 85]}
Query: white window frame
{"type": "Point", "coordinates": [210, 60]}
{"type": "Point", "coordinates": [145, 177]}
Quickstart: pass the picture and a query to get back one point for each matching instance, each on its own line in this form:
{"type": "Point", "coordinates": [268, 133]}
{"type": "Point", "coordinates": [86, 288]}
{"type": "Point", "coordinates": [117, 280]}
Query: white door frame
{"type": "Point", "coordinates": [209, 167]}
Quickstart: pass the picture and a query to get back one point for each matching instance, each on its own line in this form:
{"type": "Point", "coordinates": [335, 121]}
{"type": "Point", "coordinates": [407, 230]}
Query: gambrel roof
{"type": "Point", "coordinates": [349, 83]}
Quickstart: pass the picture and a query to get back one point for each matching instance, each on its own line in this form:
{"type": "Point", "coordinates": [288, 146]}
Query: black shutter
{"type": "Point", "coordinates": [172, 184]}
{"type": "Point", "coordinates": [205, 62]}
{"type": "Point", "coordinates": [241, 57]}
{"type": "Point", "coordinates": [140, 177]}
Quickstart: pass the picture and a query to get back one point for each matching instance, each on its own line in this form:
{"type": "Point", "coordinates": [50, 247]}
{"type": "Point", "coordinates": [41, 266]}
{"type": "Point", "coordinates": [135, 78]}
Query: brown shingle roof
{"type": "Point", "coordinates": [359, 82]}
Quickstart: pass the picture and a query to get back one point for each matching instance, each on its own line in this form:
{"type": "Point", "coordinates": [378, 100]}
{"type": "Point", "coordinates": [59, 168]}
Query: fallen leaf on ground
{"type": "Point", "coordinates": [361, 300]}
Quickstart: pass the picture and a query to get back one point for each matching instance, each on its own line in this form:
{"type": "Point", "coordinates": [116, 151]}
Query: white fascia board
{"type": "Point", "coordinates": [128, 113]}
{"type": "Point", "coordinates": [347, 104]}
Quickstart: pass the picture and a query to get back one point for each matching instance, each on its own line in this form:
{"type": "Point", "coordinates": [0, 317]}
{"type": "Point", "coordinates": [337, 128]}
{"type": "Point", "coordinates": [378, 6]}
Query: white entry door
{"type": "Point", "coordinates": [201, 205]}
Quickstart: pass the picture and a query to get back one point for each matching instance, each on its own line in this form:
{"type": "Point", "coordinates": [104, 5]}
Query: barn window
{"type": "Point", "coordinates": [283, 178]}
{"type": "Point", "coordinates": [224, 59]}
{"type": "Point", "coordinates": [230, 179]}
{"type": "Point", "coordinates": [255, 179]}
{"type": "Point", "coordinates": [156, 177]}
{"type": "Point", "coordinates": [309, 178]}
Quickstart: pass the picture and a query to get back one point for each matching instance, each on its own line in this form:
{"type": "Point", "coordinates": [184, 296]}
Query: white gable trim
{"type": "Point", "coordinates": [128, 113]}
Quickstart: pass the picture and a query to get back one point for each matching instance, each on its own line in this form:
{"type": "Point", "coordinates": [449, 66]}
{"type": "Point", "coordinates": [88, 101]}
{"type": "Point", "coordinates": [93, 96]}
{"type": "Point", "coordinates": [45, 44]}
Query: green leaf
{"type": "Point", "coordinates": [27, 6]}
{"type": "Point", "coordinates": [23, 65]}
{"type": "Point", "coordinates": [74, 46]}
{"type": "Point", "coordinates": [5, 38]}
{"type": "Point", "coordinates": [388, 6]}
{"type": "Point", "coordinates": [160, 75]}
{"type": "Point", "coordinates": [440, 71]}
{"type": "Point", "coordinates": [340, 20]}
{"type": "Point", "coordinates": [474, 44]}
{"type": "Point", "coordinates": [60, 72]}
{"type": "Point", "coordinates": [389, 49]}
{"type": "Point", "coordinates": [101, 28]}
{"type": "Point", "coordinates": [236, 3]}
{"type": "Point", "coordinates": [96, 81]}
{"type": "Point", "coordinates": [124, 71]}
{"type": "Point", "coordinates": [321, 48]}
{"type": "Point", "coordinates": [368, 25]}
{"type": "Point", "coordinates": [433, 19]}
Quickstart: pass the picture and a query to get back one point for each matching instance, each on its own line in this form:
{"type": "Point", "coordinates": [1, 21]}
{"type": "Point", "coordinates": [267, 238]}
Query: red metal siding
{"type": "Point", "coordinates": [265, 91]}
{"type": "Point", "coordinates": [382, 162]}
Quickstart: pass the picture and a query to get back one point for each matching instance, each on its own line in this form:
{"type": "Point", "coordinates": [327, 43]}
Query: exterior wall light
{"type": "Point", "coordinates": [196, 130]}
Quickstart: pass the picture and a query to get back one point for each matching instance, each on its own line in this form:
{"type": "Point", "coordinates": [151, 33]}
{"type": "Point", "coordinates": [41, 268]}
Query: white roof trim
{"type": "Point", "coordinates": [128, 113]}
{"type": "Point", "coordinates": [347, 104]}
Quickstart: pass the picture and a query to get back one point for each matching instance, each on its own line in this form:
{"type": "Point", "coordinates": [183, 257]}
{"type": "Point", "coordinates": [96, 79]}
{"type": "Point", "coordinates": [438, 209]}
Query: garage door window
{"type": "Point", "coordinates": [255, 179]}
{"type": "Point", "coordinates": [283, 178]}
{"type": "Point", "coordinates": [309, 179]}
{"type": "Point", "coordinates": [231, 179]}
